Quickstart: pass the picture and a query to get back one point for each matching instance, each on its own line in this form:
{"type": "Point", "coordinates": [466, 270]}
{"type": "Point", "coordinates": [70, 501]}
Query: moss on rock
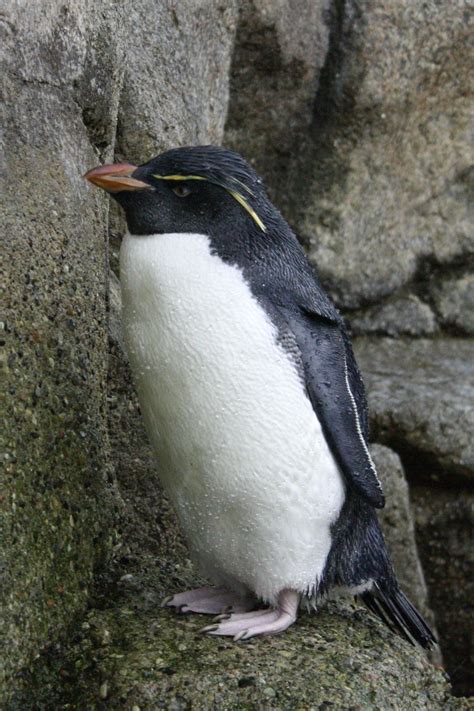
{"type": "Point", "coordinates": [132, 654]}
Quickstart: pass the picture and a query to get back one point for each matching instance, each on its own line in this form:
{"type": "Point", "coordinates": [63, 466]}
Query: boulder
{"type": "Point", "coordinates": [175, 75]}
{"type": "Point", "coordinates": [280, 49]}
{"type": "Point", "coordinates": [55, 497]}
{"type": "Point", "coordinates": [391, 189]}
{"type": "Point", "coordinates": [454, 303]}
{"type": "Point", "coordinates": [420, 394]}
{"type": "Point", "coordinates": [401, 316]}
{"type": "Point", "coordinates": [361, 126]}
{"type": "Point", "coordinates": [444, 522]}
{"type": "Point", "coordinates": [132, 655]}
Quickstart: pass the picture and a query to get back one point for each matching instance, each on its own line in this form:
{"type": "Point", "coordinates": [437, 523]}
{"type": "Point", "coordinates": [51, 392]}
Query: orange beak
{"type": "Point", "coordinates": [115, 178]}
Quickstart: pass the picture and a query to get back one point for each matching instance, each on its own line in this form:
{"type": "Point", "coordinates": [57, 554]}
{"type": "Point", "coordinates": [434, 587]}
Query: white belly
{"type": "Point", "coordinates": [240, 450]}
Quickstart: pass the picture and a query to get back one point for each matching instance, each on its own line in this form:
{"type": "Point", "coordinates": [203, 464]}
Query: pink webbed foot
{"type": "Point", "coordinates": [259, 622]}
{"type": "Point", "coordinates": [209, 601]}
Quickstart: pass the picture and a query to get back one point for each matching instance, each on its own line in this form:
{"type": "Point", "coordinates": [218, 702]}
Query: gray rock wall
{"type": "Point", "coordinates": [56, 524]}
{"type": "Point", "coordinates": [366, 138]}
{"type": "Point", "coordinates": [358, 117]}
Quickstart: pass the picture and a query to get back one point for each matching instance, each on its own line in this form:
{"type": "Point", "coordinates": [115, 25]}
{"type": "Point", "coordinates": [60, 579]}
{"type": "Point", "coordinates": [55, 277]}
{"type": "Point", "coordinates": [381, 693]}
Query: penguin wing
{"type": "Point", "coordinates": [336, 391]}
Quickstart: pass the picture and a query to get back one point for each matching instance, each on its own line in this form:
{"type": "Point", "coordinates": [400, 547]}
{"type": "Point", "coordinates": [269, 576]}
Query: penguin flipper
{"type": "Point", "coordinates": [335, 389]}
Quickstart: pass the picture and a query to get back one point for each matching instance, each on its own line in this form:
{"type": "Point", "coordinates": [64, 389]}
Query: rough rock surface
{"type": "Point", "coordinates": [393, 156]}
{"type": "Point", "coordinates": [382, 184]}
{"type": "Point", "coordinates": [280, 49]}
{"type": "Point", "coordinates": [175, 85]}
{"type": "Point", "coordinates": [398, 527]}
{"type": "Point", "coordinates": [142, 657]}
{"type": "Point", "coordinates": [401, 316]}
{"type": "Point", "coordinates": [444, 522]}
{"type": "Point", "coordinates": [55, 502]}
{"type": "Point", "coordinates": [454, 303]}
{"type": "Point", "coordinates": [420, 395]}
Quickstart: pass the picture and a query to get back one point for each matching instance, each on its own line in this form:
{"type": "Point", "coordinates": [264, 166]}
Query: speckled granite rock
{"type": "Point", "coordinates": [420, 396]}
{"type": "Point", "coordinates": [131, 654]}
{"type": "Point", "coordinates": [55, 502]}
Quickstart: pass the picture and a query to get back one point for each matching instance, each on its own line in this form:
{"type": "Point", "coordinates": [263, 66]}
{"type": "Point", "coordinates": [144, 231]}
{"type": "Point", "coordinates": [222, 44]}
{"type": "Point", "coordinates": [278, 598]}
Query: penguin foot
{"type": "Point", "coordinates": [259, 622]}
{"type": "Point", "coordinates": [209, 601]}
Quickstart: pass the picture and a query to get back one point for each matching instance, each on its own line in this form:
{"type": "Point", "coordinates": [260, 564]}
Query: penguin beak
{"type": "Point", "coordinates": [115, 178]}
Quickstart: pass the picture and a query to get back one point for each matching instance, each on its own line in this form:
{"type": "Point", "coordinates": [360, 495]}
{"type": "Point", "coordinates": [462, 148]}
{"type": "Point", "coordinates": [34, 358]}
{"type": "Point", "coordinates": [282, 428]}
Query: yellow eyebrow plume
{"type": "Point", "coordinates": [246, 206]}
{"type": "Point", "coordinates": [179, 177]}
{"type": "Point", "coordinates": [237, 196]}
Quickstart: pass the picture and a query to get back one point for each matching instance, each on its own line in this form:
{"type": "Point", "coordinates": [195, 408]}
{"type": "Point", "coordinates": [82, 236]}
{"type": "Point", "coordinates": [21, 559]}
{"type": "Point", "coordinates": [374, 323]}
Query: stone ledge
{"type": "Point", "coordinates": [134, 655]}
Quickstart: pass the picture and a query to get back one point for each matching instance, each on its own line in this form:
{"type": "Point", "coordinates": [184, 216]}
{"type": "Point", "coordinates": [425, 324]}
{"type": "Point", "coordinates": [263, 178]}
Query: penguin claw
{"type": "Point", "coordinates": [222, 616]}
{"type": "Point", "coordinates": [239, 635]}
{"type": "Point", "coordinates": [209, 628]}
{"type": "Point", "coordinates": [272, 620]}
{"type": "Point", "coordinates": [166, 601]}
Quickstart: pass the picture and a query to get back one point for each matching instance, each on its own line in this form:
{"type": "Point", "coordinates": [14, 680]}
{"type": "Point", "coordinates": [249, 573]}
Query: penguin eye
{"type": "Point", "coordinates": [181, 190]}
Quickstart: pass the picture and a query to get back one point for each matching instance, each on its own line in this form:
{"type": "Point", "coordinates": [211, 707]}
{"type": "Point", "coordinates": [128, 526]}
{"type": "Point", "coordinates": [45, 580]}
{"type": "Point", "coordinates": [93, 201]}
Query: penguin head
{"type": "Point", "coordinates": [202, 189]}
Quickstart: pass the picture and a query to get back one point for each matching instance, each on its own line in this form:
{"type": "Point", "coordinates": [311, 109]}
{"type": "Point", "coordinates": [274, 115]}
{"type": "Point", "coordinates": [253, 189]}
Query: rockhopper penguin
{"type": "Point", "coordinates": [251, 397]}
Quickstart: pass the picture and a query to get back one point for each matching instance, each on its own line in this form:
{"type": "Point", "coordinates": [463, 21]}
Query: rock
{"type": "Point", "coordinates": [386, 186]}
{"type": "Point", "coordinates": [420, 394]}
{"type": "Point", "coordinates": [444, 523]}
{"type": "Point", "coordinates": [280, 49]}
{"type": "Point", "coordinates": [368, 153]}
{"type": "Point", "coordinates": [55, 499]}
{"type": "Point", "coordinates": [115, 309]}
{"type": "Point", "coordinates": [454, 303]}
{"type": "Point", "coordinates": [176, 74]}
{"type": "Point", "coordinates": [398, 528]}
{"type": "Point", "coordinates": [402, 316]}
{"type": "Point", "coordinates": [340, 657]}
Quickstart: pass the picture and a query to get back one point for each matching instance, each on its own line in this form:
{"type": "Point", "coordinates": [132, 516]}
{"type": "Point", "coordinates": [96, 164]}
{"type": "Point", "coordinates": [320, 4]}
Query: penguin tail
{"type": "Point", "coordinates": [395, 609]}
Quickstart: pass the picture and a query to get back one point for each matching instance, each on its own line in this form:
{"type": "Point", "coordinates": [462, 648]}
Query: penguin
{"type": "Point", "coordinates": [251, 397]}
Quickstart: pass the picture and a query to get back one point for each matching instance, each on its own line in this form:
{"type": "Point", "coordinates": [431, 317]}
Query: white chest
{"type": "Point", "coordinates": [240, 450]}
